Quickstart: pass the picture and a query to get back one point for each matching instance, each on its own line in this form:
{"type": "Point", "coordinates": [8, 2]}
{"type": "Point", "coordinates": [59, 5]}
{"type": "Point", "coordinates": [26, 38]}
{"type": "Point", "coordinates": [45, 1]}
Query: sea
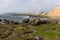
{"type": "Point", "coordinates": [13, 18]}
{"type": "Point", "coordinates": [17, 18]}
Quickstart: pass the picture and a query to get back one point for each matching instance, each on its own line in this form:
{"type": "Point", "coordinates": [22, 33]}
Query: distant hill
{"type": "Point", "coordinates": [55, 13]}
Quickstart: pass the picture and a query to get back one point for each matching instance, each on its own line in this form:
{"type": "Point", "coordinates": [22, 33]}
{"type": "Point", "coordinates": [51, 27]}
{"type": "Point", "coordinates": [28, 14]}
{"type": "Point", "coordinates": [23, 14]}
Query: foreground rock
{"type": "Point", "coordinates": [35, 21]}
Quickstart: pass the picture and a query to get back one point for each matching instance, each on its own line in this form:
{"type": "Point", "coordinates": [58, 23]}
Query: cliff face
{"type": "Point", "coordinates": [55, 13]}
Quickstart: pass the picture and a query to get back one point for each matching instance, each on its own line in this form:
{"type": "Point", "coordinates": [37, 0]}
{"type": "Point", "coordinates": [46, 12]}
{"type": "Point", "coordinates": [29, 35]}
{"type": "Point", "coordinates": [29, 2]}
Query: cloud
{"type": "Point", "coordinates": [27, 5]}
{"type": "Point", "coordinates": [9, 5]}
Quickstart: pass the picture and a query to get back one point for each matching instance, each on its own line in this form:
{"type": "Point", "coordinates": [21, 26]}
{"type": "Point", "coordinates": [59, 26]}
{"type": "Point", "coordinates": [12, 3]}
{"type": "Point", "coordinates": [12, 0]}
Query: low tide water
{"type": "Point", "coordinates": [13, 18]}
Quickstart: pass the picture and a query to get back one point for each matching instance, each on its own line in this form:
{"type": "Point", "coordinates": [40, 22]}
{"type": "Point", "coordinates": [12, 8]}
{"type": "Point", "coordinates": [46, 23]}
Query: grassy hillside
{"type": "Point", "coordinates": [18, 32]}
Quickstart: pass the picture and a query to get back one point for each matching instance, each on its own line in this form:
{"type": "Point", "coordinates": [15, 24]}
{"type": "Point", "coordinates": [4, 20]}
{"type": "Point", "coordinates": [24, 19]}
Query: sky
{"type": "Point", "coordinates": [27, 5]}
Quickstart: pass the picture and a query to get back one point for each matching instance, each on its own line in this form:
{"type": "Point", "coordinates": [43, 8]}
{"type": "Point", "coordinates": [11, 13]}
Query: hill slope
{"type": "Point", "coordinates": [55, 13]}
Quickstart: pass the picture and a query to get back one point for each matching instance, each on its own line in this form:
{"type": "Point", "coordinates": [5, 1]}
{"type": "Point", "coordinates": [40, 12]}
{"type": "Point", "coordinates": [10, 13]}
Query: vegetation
{"type": "Point", "coordinates": [34, 29]}
{"type": "Point", "coordinates": [25, 32]}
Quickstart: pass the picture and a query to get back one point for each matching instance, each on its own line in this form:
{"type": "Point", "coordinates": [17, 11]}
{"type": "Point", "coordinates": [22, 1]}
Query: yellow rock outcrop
{"type": "Point", "coordinates": [55, 13]}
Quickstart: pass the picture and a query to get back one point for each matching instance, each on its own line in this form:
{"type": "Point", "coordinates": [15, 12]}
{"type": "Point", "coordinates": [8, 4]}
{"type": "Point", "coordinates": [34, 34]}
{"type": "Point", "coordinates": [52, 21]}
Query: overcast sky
{"type": "Point", "coordinates": [27, 5]}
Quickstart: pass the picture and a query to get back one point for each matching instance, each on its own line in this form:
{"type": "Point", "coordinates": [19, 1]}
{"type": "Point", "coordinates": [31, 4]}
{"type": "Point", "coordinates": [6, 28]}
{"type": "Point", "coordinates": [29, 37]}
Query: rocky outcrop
{"type": "Point", "coordinates": [34, 21]}
{"type": "Point", "coordinates": [54, 14]}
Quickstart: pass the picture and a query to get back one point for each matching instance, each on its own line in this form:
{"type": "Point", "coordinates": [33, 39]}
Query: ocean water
{"type": "Point", "coordinates": [13, 18]}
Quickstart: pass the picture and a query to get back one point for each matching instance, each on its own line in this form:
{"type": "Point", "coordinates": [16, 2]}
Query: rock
{"type": "Point", "coordinates": [35, 21]}
{"type": "Point", "coordinates": [39, 38]}
{"type": "Point", "coordinates": [25, 21]}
